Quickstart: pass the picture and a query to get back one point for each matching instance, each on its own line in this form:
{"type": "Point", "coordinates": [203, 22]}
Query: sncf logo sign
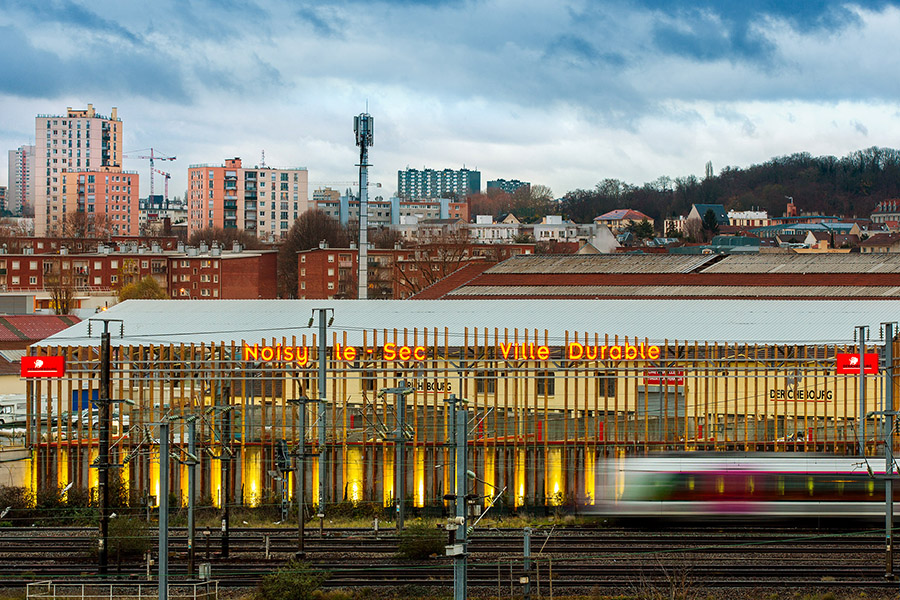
{"type": "Point", "coordinates": [848, 364]}
{"type": "Point", "coordinates": [43, 366]}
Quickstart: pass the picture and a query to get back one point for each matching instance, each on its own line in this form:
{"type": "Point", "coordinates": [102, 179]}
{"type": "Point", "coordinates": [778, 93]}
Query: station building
{"type": "Point", "coordinates": [553, 388]}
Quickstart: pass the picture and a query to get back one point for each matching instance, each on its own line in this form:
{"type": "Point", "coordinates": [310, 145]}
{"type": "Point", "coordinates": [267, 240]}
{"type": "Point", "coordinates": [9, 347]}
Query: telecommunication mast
{"type": "Point", "coordinates": [362, 127]}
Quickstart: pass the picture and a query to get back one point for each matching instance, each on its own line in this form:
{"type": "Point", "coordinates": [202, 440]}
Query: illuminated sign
{"type": "Point", "coordinates": [389, 352]}
{"type": "Point", "coordinates": [848, 364]}
{"type": "Point", "coordinates": [576, 351]}
{"type": "Point", "coordinates": [43, 366]}
{"type": "Point", "coordinates": [508, 351]}
{"type": "Point", "coordinates": [277, 353]}
{"type": "Point", "coordinates": [664, 378]}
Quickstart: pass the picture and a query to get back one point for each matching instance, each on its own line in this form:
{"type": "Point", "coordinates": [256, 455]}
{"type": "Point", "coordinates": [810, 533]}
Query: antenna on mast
{"type": "Point", "coordinates": [363, 128]}
{"type": "Point", "coordinates": [262, 163]}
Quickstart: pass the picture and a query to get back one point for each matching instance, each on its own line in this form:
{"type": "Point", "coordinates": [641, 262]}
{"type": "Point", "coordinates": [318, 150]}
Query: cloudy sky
{"type": "Point", "coordinates": [562, 93]}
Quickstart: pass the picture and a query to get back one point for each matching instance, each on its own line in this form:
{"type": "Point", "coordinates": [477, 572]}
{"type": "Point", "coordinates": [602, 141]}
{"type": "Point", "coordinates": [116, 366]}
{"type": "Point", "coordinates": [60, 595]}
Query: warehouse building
{"type": "Point", "coordinates": [553, 387]}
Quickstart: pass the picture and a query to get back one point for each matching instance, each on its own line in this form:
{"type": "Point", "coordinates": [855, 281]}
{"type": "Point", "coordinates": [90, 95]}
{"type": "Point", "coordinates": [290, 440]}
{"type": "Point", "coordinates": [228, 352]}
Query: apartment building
{"type": "Point", "coordinates": [414, 184]}
{"type": "Point", "coordinates": [507, 185]}
{"type": "Point", "coordinates": [212, 273]}
{"type": "Point", "coordinates": [21, 179]}
{"type": "Point", "coordinates": [78, 141]}
{"type": "Point", "coordinates": [110, 196]}
{"type": "Point", "coordinates": [394, 211]}
{"type": "Point", "coordinates": [264, 201]}
{"type": "Point", "coordinates": [186, 273]}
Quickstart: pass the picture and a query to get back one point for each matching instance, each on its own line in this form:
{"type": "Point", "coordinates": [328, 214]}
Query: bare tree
{"type": "Point", "coordinates": [441, 255]}
{"type": "Point", "coordinates": [61, 289]}
{"type": "Point", "coordinates": [385, 237]}
{"type": "Point", "coordinates": [10, 230]}
{"type": "Point", "coordinates": [224, 238]}
{"type": "Point", "coordinates": [693, 229]}
{"type": "Point", "coordinates": [311, 228]}
{"type": "Point", "coordinates": [82, 225]}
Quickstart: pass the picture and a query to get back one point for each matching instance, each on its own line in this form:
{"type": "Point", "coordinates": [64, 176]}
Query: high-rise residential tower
{"type": "Point", "coordinates": [508, 186]}
{"type": "Point", "coordinates": [20, 196]}
{"type": "Point", "coordinates": [264, 201]}
{"type": "Point", "coordinates": [79, 141]}
{"type": "Point", "coordinates": [413, 184]}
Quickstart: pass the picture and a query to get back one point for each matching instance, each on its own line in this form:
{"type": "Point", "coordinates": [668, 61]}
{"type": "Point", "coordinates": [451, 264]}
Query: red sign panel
{"type": "Point", "coordinates": [43, 366]}
{"type": "Point", "coordinates": [848, 364]}
{"type": "Point", "coordinates": [664, 378]}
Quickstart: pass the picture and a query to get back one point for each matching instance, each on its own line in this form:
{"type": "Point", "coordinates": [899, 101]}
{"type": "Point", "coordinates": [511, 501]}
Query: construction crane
{"type": "Point", "coordinates": [152, 157]}
{"type": "Point", "coordinates": [168, 177]}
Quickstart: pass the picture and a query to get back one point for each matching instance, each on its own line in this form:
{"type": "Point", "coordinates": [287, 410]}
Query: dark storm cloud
{"type": "Point", "coordinates": [31, 72]}
{"type": "Point", "coordinates": [707, 31]}
{"type": "Point", "coordinates": [705, 39]}
{"type": "Point", "coordinates": [323, 21]}
{"type": "Point", "coordinates": [65, 12]}
{"type": "Point", "coordinates": [805, 15]}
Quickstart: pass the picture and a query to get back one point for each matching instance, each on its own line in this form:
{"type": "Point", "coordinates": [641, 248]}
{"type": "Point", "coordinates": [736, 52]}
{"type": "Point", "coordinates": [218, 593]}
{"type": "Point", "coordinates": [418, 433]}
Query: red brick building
{"type": "Point", "coordinates": [16, 244]}
{"type": "Point", "coordinates": [223, 275]}
{"type": "Point", "coordinates": [393, 273]}
{"type": "Point", "coordinates": [194, 273]}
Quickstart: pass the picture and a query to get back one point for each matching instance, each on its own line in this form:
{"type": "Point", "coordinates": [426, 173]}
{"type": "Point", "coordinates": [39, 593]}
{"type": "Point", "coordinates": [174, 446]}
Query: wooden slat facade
{"type": "Point", "coordinates": [540, 424]}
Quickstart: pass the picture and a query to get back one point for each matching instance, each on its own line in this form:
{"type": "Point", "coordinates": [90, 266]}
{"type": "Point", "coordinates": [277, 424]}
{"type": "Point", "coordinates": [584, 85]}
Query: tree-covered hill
{"type": "Point", "coordinates": [848, 186]}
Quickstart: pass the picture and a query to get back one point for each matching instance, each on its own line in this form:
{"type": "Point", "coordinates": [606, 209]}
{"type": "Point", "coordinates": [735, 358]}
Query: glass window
{"type": "Point", "coordinates": [546, 383]}
{"type": "Point", "coordinates": [606, 383]}
{"type": "Point", "coordinates": [485, 382]}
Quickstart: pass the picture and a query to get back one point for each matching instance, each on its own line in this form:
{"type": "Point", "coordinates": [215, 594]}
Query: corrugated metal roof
{"type": "Point", "coordinates": [683, 263]}
{"type": "Point", "coordinates": [597, 263]}
{"type": "Point", "coordinates": [813, 292]}
{"type": "Point", "coordinates": [808, 263]}
{"type": "Point", "coordinates": [753, 321]}
{"type": "Point", "coordinates": [12, 355]}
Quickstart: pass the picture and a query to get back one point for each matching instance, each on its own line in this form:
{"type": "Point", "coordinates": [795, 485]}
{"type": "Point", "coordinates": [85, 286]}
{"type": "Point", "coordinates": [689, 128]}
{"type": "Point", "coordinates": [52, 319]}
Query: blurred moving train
{"type": "Point", "coordinates": [743, 486]}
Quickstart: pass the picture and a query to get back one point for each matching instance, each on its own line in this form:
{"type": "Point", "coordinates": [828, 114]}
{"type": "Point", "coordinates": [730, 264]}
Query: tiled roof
{"type": "Point", "coordinates": [622, 213]}
{"type": "Point", "coordinates": [881, 239]}
{"type": "Point", "coordinates": [856, 276]}
{"type": "Point", "coordinates": [32, 328]}
{"type": "Point", "coordinates": [452, 281]}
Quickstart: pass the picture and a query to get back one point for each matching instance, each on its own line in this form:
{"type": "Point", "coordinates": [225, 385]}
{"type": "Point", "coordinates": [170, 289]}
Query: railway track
{"type": "Point", "coordinates": [573, 558]}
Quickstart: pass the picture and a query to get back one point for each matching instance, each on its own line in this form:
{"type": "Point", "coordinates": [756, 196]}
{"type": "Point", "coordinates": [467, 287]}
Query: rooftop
{"type": "Point", "coordinates": [146, 322]}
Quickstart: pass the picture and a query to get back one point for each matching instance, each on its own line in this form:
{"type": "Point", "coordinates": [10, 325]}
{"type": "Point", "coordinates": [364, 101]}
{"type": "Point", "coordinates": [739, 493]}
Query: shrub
{"type": "Point", "coordinates": [20, 501]}
{"type": "Point", "coordinates": [294, 581]}
{"type": "Point", "coordinates": [128, 537]}
{"type": "Point", "coordinates": [420, 542]}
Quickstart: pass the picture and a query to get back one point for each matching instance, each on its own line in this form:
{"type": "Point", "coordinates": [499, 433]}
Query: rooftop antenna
{"type": "Point", "coordinates": [363, 128]}
{"type": "Point", "coordinates": [263, 160]}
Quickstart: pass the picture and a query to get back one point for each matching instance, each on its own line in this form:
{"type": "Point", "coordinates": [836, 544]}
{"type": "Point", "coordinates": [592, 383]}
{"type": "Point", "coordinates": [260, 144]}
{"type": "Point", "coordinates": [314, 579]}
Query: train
{"type": "Point", "coordinates": [725, 486]}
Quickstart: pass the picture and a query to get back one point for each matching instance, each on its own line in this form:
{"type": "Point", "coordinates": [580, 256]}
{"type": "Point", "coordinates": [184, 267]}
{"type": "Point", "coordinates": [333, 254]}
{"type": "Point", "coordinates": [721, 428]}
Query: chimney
{"type": "Point", "coordinates": [203, 248]}
{"type": "Point", "coordinates": [236, 247]}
